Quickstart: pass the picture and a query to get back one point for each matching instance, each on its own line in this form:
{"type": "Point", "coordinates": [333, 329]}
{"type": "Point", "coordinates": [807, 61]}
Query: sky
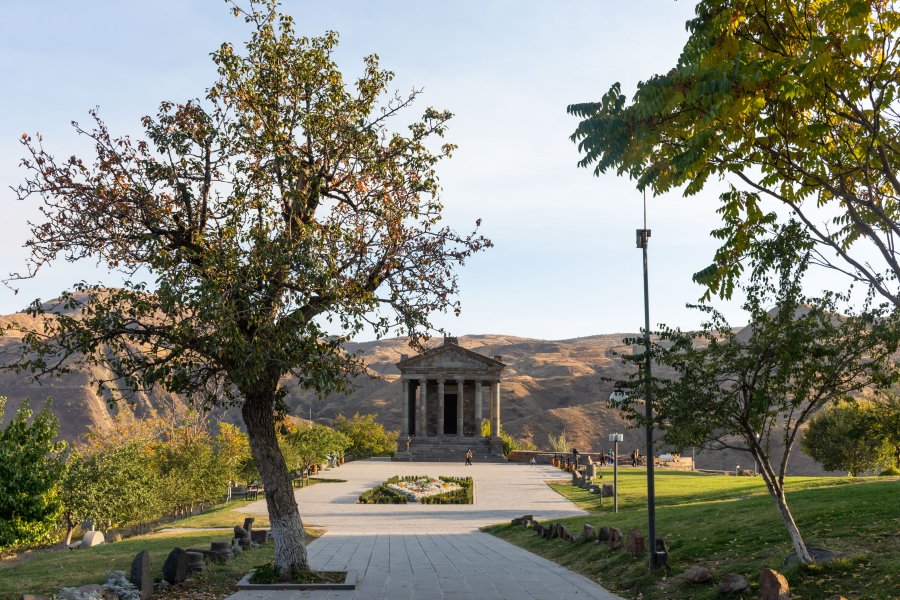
{"type": "Point", "coordinates": [564, 263]}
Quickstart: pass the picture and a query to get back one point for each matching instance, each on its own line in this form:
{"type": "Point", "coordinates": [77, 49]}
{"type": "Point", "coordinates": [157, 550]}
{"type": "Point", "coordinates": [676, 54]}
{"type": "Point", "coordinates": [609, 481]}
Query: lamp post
{"type": "Point", "coordinates": [642, 239]}
{"type": "Point", "coordinates": [615, 438]}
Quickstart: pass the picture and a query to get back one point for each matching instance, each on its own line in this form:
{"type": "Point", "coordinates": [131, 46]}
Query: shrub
{"type": "Point", "coordinates": [464, 495]}
{"type": "Point", "coordinates": [890, 472]}
{"type": "Point", "coordinates": [366, 436]}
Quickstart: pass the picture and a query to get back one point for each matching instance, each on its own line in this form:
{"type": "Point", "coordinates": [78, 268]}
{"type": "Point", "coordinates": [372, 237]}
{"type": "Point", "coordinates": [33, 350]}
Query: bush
{"type": "Point", "coordinates": [890, 472]}
{"type": "Point", "coordinates": [383, 495]}
{"type": "Point", "coordinates": [366, 437]}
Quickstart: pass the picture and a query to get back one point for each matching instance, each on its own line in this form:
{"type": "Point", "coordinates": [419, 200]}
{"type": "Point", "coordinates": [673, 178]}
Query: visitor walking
{"type": "Point", "coordinates": [532, 461]}
{"type": "Point", "coordinates": [635, 457]}
{"type": "Point", "coordinates": [575, 457]}
{"type": "Point", "coordinates": [468, 457]}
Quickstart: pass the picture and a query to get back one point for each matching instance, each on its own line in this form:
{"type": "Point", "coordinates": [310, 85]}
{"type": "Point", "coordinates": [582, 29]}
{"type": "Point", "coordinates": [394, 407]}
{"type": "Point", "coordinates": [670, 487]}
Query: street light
{"type": "Point", "coordinates": [642, 237]}
{"type": "Point", "coordinates": [615, 438]}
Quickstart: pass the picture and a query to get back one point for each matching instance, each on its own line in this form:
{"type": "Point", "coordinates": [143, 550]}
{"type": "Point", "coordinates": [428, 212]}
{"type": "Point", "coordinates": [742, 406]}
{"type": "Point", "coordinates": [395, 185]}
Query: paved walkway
{"type": "Point", "coordinates": [434, 552]}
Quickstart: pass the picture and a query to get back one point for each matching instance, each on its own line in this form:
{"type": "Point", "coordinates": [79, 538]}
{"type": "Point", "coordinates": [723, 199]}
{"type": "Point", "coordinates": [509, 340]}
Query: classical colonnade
{"type": "Point", "coordinates": [425, 401]}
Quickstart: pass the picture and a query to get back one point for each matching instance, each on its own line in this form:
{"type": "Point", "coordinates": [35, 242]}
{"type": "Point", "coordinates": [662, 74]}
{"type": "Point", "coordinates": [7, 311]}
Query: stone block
{"type": "Point", "coordinates": [603, 534]}
{"type": "Point", "coordinates": [615, 538]}
{"type": "Point", "coordinates": [248, 523]}
{"type": "Point", "coordinates": [92, 538]}
{"type": "Point", "coordinates": [195, 561]}
{"type": "Point", "coordinates": [697, 574]}
{"type": "Point", "coordinates": [634, 544]}
{"type": "Point", "coordinates": [140, 574]}
{"type": "Point", "coordinates": [733, 583]}
{"type": "Point", "coordinates": [588, 532]}
{"type": "Point", "coordinates": [175, 568]}
{"type": "Point", "coordinates": [773, 586]}
{"type": "Point", "coordinates": [258, 536]}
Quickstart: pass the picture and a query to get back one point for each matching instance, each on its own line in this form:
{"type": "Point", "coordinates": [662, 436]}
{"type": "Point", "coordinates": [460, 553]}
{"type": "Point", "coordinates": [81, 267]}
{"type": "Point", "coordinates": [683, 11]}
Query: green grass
{"type": "Point", "coordinates": [730, 524]}
{"type": "Point", "coordinates": [48, 570]}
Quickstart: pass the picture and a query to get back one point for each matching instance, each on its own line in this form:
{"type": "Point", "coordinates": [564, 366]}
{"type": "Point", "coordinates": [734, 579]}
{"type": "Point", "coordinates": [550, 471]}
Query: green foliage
{"type": "Point", "coordinates": [890, 472]}
{"type": "Point", "coordinates": [559, 443]}
{"type": "Point", "coordinates": [381, 494]}
{"type": "Point", "coordinates": [843, 438]}
{"type": "Point", "coordinates": [793, 102]}
{"type": "Point", "coordinates": [510, 443]}
{"type": "Point", "coordinates": [367, 437]}
{"type": "Point", "coordinates": [310, 444]}
{"type": "Point", "coordinates": [738, 389]}
{"type": "Point", "coordinates": [189, 470]}
{"type": "Point", "coordinates": [30, 467]}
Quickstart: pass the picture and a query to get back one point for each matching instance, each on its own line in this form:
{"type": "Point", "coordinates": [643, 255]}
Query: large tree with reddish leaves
{"type": "Point", "coordinates": [275, 218]}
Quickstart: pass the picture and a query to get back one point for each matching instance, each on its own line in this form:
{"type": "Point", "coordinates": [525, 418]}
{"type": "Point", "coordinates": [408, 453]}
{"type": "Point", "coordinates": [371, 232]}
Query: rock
{"type": "Point", "coordinates": [524, 520]}
{"type": "Point", "coordinates": [248, 523]}
{"type": "Point", "coordinates": [820, 555]}
{"type": "Point", "coordinates": [34, 597]}
{"type": "Point", "coordinates": [575, 537]}
{"type": "Point", "coordinates": [114, 536]}
{"type": "Point", "coordinates": [140, 574]}
{"type": "Point", "coordinates": [258, 536]}
{"type": "Point", "coordinates": [697, 575]}
{"type": "Point", "coordinates": [175, 568]}
{"type": "Point", "coordinates": [733, 582]}
{"type": "Point", "coordinates": [91, 539]}
{"type": "Point", "coordinates": [221, 551]}
{"type": "Point", "coordinates": [240, 533]}
{"type": "Point", "coordinates": [236, 548]}
{"type": "Point", "coordinates": [195, 561]}
{"type": "Point", "coordinates": [588, 532]}
{"type": "Point", "coordinates": [603, 534]}
{"type": "Point", "coordinates": [773, 586]}
{"type": "Point", "coordinates": [93, 590]}
{"type": "Point", "coordinates": [635, 543]}
{"type": "Point", "coordinates": [615, 538]}
{"type": "Point", "coordinates": [607, 491]}
{"type": "Point", "coordinates": [563, 533]}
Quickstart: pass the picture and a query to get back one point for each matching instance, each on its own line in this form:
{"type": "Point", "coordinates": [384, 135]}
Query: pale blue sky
{"type": "Point", "coordinates": [564, 264]}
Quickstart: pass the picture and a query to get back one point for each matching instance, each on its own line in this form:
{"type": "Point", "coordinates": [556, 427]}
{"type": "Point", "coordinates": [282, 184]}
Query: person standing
{"type": "Point", "coordinates": [635, 457]}
{"type": "Point", "coordinates": [575, 457]}
{"type": "Point", "coordinates": [468, 457]}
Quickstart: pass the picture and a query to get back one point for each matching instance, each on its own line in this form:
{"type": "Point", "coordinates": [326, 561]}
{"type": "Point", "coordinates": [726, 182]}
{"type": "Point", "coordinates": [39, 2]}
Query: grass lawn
{"type": "Point", "coordinates": [730, 524]}
{"type": "Point", "coordinates": [46, 572]}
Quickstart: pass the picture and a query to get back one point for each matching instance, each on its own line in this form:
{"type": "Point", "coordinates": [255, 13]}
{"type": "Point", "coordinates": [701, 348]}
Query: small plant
{"type": "Point", "coordinates": [890, 472]}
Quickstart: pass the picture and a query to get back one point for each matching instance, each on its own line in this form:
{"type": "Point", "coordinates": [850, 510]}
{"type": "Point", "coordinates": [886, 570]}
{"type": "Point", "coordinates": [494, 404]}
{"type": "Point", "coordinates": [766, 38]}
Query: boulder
{"type": "Point", "coordinates": [575, 537]}
{"type": "Point", "coordinates": [733, 583]}
{"type": "Point", "coordinates": [140, 574]}
{"type": "Point", "coordinates": [773, 586]}
{"type": "Point", "coordinates": [114, 536]}
{"type": "Point", "coordinates": [221, 551]}
{"type": "Point", "coordinates": [603, 534]}
{"type": "Point", "coordinates": [237, 548]}
{"type": "Point", "coordinates": [91, 539]}
{"type": "Point", "coordinates": [588, 532]}
{"type": "Point", "coordinates": [248, 523]}
{"type": "Point", "coordinates": [563, 533]}
{"type": "Point", "coordinates": [523, 520]}
{"type": "Point", "coordinates": [175, 568]}
{"type": "Point", "coordinates": [697, 574]}
{"type": "Point", "coordinates": [634, 544]}
{"type": "Point", "coordinates": [607, 491]}
{"type": "Point", "coordinates": [195, 561]}
{"type": "Point", "coordinates": [615, 538]}
{"type": "Point", "coordinates": [258, 536]}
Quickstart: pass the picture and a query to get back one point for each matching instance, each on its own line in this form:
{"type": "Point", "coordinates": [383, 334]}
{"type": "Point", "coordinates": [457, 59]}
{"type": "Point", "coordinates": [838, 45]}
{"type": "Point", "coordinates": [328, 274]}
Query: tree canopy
{"type": "Point", "coordinates": [790, 101]}
{"type": "Point", "coordinates": [844, 437]}
{"type": "Point", "coordinates": [277, 216]}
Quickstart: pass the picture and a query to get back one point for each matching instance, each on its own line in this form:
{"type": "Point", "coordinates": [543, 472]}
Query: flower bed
{"type": "Point", "coordinates": [423, 489]}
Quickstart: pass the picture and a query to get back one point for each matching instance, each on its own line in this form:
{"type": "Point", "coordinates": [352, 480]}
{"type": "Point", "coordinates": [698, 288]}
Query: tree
{"type": "Point", "coordinates": [792, 101]}
{"type": "Point", "coordinates": [232, 451]}
{"type": "Point", "coordinates": [30, 465]}
{"type": "Point", "coordinates": [887, 422]}
{"type": "Point", "coordinates": [367, 436]}
{"type": "Point", "coordinates": [277, 218]}
{"type": "Point", "coordinates": [312, 444]}
{"type": "Point", "coordinates": [742, 389]}
{"type": "Point", "coordinates": [843, 438]}
{"type": "Point", "coordinates": [510, 443]}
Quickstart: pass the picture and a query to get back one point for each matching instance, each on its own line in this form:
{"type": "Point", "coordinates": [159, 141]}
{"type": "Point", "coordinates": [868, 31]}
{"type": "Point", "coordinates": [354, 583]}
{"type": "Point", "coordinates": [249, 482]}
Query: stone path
{"type": "Point", "coordinates": [434, 552]}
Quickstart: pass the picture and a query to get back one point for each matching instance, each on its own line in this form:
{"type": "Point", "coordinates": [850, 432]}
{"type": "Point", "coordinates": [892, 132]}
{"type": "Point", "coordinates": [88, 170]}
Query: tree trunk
{"type": "Point", "coordinates": [284, 517]}
{"type": "Point", "coordinates": [777, 493]}
{"type": "Point", "coordinates": [70, 529]}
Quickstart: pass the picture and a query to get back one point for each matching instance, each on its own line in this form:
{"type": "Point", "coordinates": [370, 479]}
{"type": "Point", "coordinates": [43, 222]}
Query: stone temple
{"type": "Point", "coordinates": [447, 391]}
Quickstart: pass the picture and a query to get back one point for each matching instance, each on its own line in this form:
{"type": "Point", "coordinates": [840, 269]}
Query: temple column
{"type": "Point", "coordinates": [404, 407]}
{"type": "Point", "coordinates": [422, 408]}
{"type": "Point", "coordinates": [440, 409]}
{"type": "Point", "coordinates": [460, 397]}
{"type": "Point", "coordinates": [479, 397]}
{"type": "Point", "coordinates": [495, 409]}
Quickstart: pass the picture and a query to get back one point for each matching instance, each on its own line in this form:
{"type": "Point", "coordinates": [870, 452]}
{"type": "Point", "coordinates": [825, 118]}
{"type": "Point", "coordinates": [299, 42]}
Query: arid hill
{"type": "Point", "coordinates": [548, 387]}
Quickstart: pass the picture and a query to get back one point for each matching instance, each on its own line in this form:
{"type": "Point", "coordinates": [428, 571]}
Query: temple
{"type": "Point", "coordinates": [446, 392]}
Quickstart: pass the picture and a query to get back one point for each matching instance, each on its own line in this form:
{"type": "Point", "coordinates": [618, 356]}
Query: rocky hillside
{"type": "Point", "coordinates": [548, 387]}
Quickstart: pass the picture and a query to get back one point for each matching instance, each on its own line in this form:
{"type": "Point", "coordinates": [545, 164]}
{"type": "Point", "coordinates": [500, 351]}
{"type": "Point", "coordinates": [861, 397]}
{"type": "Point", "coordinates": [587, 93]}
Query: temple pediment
{"type": "Point", "coordinates": [450, 357]}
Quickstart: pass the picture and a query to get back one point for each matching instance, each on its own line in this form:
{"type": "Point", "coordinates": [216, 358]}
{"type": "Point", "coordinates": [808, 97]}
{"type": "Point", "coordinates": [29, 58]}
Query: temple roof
{"type": "Point", "coordinates": [450, 358]}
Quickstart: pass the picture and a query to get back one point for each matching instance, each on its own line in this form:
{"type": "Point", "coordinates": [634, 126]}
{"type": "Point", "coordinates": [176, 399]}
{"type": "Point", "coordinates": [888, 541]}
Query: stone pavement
{"type": "Point", "coordinates": [434, 551]}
